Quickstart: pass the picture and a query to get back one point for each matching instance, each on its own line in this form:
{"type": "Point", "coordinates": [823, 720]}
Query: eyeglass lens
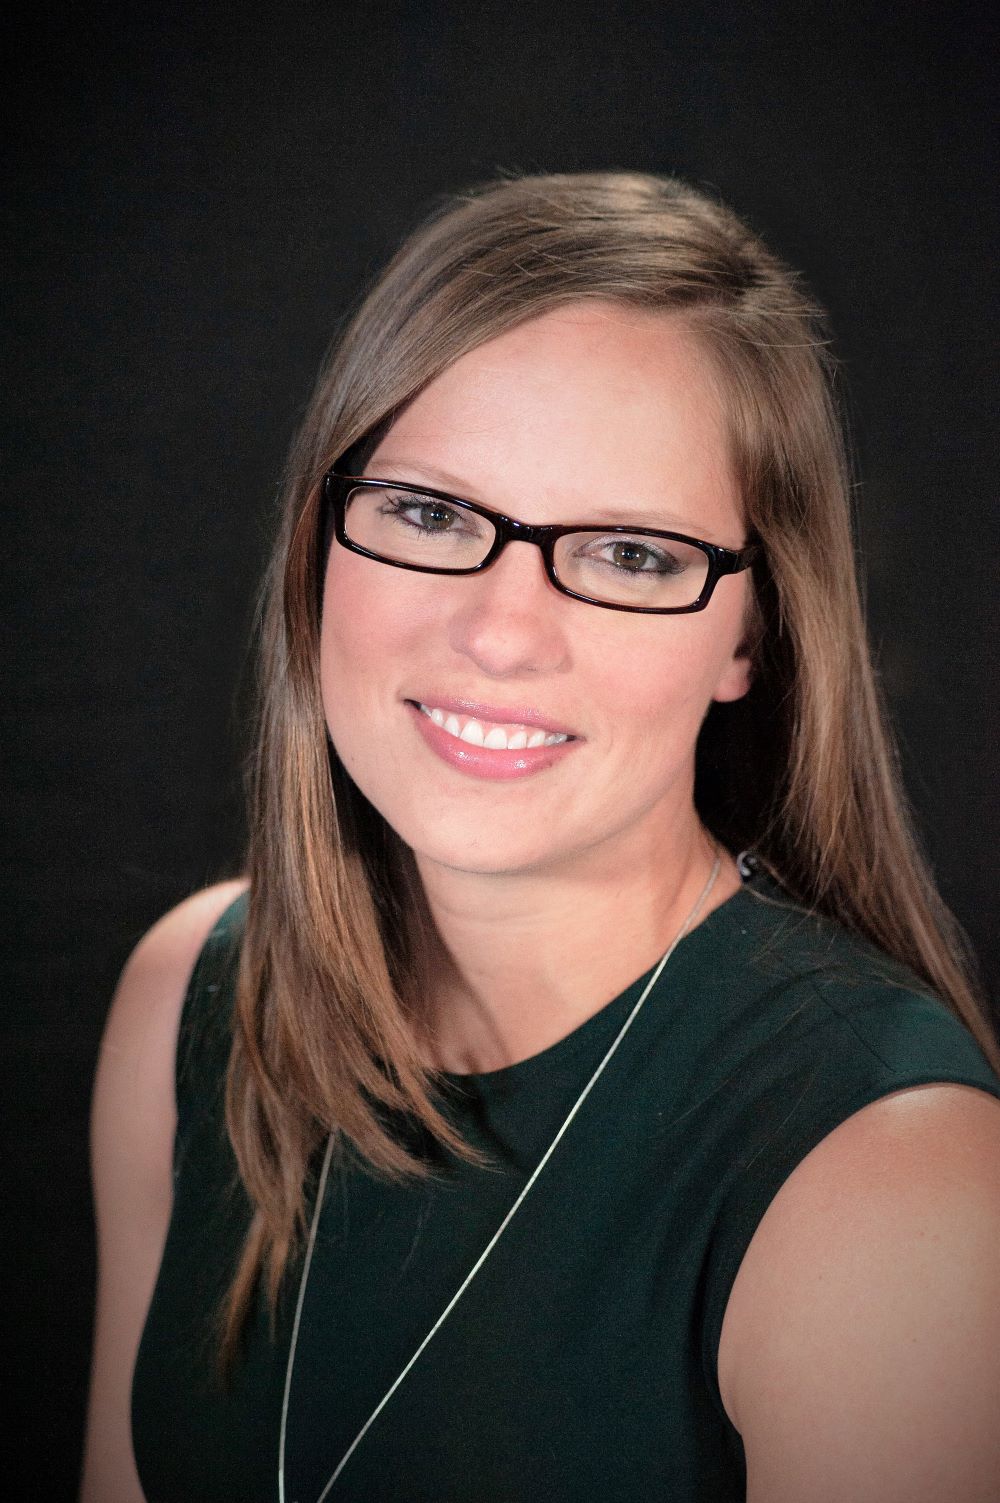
{"type": "Point", "coordinates": [617, 567]}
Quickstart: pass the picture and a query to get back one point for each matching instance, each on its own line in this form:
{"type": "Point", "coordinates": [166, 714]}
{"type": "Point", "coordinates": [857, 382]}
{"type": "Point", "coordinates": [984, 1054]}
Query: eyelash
{"type": "Point", "coordinates": [665, 562]}
{"type": "Point", "coordinates": [398, 506]}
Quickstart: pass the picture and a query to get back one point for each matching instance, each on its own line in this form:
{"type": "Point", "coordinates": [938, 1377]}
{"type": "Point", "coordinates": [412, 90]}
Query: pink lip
{"type": "Point", "coordinates": [483, 761]}
{"type": "Point", "coordinates": [498, 714]}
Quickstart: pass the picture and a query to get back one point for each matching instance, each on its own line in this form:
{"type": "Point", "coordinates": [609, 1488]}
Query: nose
{"type": "Point", "coordinates": [511, 620]}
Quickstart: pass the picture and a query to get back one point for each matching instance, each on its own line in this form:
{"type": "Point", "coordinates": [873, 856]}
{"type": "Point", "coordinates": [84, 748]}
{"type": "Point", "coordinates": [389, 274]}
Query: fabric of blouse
{"type": "Point", "coordinates": [581, 1362]}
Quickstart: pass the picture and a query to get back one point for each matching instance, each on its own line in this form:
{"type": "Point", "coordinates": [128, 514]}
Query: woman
{"type": "Point", "coordinates": [527, 1144]}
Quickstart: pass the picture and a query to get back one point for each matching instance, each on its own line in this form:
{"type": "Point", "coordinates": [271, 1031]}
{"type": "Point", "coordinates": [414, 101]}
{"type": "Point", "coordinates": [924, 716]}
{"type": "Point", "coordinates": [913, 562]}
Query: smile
{"type": "Point", "coordinates": [486, 734]}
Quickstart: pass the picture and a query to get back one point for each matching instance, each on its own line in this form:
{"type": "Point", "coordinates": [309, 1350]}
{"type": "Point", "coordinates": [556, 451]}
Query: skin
{"type": "Point", "coordinates": [553, 892]}
{"type": "Point", "coordinates": [133, 1121]}
{"type": "Point", "coordinates": [860, 1353]}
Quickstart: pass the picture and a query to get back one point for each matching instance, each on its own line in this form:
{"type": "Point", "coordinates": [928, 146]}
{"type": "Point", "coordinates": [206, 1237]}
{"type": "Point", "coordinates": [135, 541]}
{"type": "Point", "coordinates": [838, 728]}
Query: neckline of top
{"type": "Point", "coordinates": [607, 1016]}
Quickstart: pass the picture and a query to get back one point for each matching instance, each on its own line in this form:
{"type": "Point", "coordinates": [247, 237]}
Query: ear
{"type": "Point", "coordinates": [738, 673]}
{"type": "Point", "coordinates": [736, 677]}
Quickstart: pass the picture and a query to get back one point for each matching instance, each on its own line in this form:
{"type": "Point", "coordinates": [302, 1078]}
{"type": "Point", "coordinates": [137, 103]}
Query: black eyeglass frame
{"type": "Point", "coordinates": [721, 561]}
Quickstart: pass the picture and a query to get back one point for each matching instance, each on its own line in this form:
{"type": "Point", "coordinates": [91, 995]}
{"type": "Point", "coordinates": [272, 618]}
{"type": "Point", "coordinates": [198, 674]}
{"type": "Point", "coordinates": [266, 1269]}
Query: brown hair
{"type": "Point", "coordinates": [329, 995]}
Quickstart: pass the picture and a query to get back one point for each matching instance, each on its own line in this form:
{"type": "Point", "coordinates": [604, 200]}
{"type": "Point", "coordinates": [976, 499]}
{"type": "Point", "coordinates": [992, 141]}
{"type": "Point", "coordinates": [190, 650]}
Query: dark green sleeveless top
{"type": "Point", "coordinates": [580, 1364]}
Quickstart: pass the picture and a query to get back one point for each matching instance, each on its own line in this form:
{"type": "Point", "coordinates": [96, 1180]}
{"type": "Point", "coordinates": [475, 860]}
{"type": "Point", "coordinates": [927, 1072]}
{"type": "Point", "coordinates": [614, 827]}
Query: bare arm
{"type": "Point", "coordinates": [132, 1132]}
{"type": "Point", "coordinates": [860, 1356]}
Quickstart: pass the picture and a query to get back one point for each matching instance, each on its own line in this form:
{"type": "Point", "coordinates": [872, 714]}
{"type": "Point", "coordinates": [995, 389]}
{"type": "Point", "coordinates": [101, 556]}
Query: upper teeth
{"type": "Point", "coordinates": [496, 737]}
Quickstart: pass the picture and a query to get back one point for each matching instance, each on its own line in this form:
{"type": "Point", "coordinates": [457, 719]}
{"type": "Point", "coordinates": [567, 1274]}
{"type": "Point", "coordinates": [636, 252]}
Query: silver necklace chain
{"type": "Point", "coordinates": [321, 1191]}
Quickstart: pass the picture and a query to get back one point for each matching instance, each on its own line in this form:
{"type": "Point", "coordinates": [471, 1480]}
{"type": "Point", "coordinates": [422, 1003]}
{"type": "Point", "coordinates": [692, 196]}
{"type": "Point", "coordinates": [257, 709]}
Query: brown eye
{"type": "Point", "coordinates": [634, 556]}
{"type": "Point", "coordinates": [434, 516]}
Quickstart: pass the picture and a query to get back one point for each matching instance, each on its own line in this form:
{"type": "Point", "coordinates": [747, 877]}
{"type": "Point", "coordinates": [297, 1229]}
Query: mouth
{"type": "Point", "coordinates": [494, 735]}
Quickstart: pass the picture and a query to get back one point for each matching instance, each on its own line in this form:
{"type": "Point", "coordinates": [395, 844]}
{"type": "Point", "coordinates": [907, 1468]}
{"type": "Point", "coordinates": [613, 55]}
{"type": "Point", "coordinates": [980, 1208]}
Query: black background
{"type": "Point", "coordinates": [199, 196]}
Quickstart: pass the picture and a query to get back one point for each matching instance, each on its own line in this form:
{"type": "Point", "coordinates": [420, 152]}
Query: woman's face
{"type": "Point", "coordinates": [591, 413]}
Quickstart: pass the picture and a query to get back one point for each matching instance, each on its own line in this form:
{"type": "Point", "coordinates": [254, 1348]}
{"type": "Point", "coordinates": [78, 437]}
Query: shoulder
{"type": "Point", "coordinates": [165, 956]}
{"type": "Point", "coordinates": [155, 977]}
{"type": "Point", "coordinates": [783, 939]}
{"type": "Point", "coordinates": [800, 1025]}
{"type": "Point", "coordinates": [133, 1121]}
{"type": "Point", "coordinates": [803, 1002]}
{"type": "Point", "coordinates": [136, 1065]}
{"type": "Point", "coordinates": [860, 1354]}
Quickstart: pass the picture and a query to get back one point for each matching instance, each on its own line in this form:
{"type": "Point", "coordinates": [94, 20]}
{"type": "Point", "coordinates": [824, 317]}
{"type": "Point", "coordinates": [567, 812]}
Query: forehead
{"type": "Point", "coordinates": [584, 398]}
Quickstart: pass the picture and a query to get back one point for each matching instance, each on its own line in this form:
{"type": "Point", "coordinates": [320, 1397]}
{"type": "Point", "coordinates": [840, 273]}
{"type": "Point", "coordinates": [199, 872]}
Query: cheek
{"type": "Point", "coordinates": [371, 623]}
{"type": "Point", "coordinates": [662, 681]}
{"type": "Point", "coordinates": [350, 643]}
{"type": "Point", "coordinates": [652, 715]}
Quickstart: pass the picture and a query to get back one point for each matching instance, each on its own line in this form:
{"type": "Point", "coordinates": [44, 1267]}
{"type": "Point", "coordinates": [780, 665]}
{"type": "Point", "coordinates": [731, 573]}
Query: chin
{"type": "Point", "coordinates": [488, 858]}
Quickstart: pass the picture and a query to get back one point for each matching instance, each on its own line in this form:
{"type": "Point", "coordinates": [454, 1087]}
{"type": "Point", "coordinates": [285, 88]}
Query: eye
{"type": "Point", "coordinates": [422, 512]}
{"type": "Point", "coordinates": [635, 556]}
{"type": "Point", "coordinates": [640, 557]}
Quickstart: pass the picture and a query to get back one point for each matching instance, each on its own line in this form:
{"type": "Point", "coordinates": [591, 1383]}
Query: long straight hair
{"type": "Point", "coordinates": [330, 987]}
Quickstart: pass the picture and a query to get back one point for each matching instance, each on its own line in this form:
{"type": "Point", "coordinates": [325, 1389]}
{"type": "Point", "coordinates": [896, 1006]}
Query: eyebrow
{"type": "Point", "coordinates": [641, 515]}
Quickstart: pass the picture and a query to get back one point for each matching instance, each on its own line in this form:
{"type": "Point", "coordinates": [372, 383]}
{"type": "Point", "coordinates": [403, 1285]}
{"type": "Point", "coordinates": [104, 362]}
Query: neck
{"type": "Point", "coordinates": [526, 958]}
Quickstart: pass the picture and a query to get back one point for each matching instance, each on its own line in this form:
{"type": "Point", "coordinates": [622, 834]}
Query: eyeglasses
{"type": "Point", "coordinates": [621, 568]}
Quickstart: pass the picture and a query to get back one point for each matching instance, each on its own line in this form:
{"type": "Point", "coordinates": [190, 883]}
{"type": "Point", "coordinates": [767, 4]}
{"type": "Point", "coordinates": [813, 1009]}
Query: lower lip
{"type": "Point", "coordinates": [487, 761]}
